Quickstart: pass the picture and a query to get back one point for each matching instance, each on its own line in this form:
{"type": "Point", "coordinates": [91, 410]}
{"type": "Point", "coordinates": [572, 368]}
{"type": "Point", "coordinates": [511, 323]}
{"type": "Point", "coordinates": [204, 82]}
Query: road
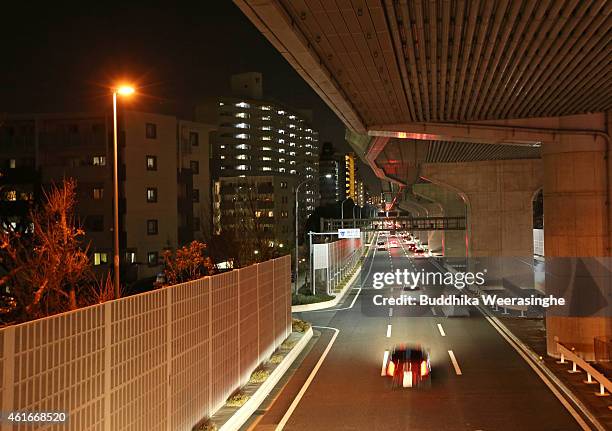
{"type": "Point", "coordinates": [479, 382]}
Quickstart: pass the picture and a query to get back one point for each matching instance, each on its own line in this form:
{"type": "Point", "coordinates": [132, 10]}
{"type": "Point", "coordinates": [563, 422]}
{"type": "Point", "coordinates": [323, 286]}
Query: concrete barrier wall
{"type": "Point", "coordinates": [161, 360]}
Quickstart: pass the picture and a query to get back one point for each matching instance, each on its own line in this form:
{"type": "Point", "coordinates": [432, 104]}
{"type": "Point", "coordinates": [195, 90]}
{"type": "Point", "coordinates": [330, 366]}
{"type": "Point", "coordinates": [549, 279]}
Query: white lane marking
{"type": "Point", "coordinates": [309, 380]}
{"type": "Point", "coordinates": [383, 371]}
{"type": "Point", "coordinates": [390, 312]}
{"type": "Point", "coordinates": [455, 363]}
{"type": "Point", "coordinates": [433, 310]}
{"type": "Point", "coordinates": [388, 331]}
{"type": "Point", "coordinates": [441, 330]}
{"type": "Point", "coordinates": [548, 381]}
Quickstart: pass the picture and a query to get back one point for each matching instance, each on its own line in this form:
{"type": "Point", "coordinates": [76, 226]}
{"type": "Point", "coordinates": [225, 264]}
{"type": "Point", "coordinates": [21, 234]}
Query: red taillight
{"type": "Point", "coordinates": [424, 369]}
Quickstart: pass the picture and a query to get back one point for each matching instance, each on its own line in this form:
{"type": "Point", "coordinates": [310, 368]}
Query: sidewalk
{"type": "Point", "coordinates": [532, 332]}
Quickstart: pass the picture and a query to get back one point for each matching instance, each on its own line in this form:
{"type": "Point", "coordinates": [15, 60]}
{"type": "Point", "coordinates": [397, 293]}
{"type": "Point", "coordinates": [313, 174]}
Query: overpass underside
{"type": "Point", "coordinates": [470, 109]}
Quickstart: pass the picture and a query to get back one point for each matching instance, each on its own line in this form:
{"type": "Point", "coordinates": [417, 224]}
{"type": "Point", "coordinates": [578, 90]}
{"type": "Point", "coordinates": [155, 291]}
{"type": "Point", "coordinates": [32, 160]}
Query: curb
{"type": "Point", "coordinates": [327, 304]}
{"type": "Point", "coordinates": [244, 413]}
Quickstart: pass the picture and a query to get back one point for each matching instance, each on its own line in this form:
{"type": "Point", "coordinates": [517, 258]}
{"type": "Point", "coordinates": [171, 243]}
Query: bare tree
{"type": "Point", "coordinates": [45, 270]}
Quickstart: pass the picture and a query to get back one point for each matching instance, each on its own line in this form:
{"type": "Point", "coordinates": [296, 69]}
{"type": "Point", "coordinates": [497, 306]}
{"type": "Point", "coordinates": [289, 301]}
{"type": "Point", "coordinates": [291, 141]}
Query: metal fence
{"type": "Point", "coordinates": [161, 360]}
{"type": "Point", "coordinates": [332, 261]}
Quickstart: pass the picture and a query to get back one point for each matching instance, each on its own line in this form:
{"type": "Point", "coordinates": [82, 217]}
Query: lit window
{"type": "Point", "coordinates": [266, 128]}
{"type": "Point", "coordinates": [280, 112]}
{"type": "Point", "coordinates": [242, 157]}
{"type": "Point", "coordinates": [152, 258]}
{"type": "Point", "coordinates": [281, 131]}
{"type": "Point", "coordinates": [266, 158]}
{"type": "Point", "coordinates": [266, 138]}
{"type": "Point", "coordinates": [282, 170]}
{"type": "Point", "coordinates": [243, 126]}
{"type": "Point", "coordinates": [281, 141]}
{"type": "Point", "coordinates": [221, 104]}
{"type": "Point", "coordinates": [292, 117]}
{"type": "Point", "coordinates": [266, 168]}
{"type": "Point", "coordinates": [100, 258]}
{"type": "Point", "coordinates": [281, 150]}
{"type": "Point", "coordinates": [281, 160]}
{"type": "Point", "coordinates": [270, 213]}
{"type": "Point", "coordinates": [12, 163]}
{"type": "Point", "coordinates": [242, 136]}
{"type": "Point", "coordinates": [10, 195]}
{"type": "Point", "coordinates": [151, 163]}
{"type": "Point", "coordinates": [292, 126]}
{"type": "Point", "coordinates": [242, 105]}
{"type": "Point", "coordinates": [222, 157]}
{"type": "Point", "coordinates": [292, 162]}
{"type": "Point", "coordinates": [222, 147]}
{"type": "Point", "coordinates": [98, 193]}
{"type": "Point", "coordinates": [242, 115]}
{"type": "Point", "coordinates": [265, 108]}
{"type": "Point", "coordinates": [292, 153]}
{"type": "Point", "coordinates": [266, 149]}
{"type": "Point", "coordinates": [265, 118]}
{"type": "Point", "coordinates": [292, 144]}
{"type": "Point", "coordinates": [99, 161]}
{"type": "Point", "coordinates": [151, 194]}
{"type": "Point", "coordinates": [292, 171]}
{"type": "Point", "coordinates": [243, 167]}
{"type": "Point", "coordinates": [243, 147]}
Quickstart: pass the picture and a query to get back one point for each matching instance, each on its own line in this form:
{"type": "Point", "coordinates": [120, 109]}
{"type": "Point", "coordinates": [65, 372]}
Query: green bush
{"type": "Point", "coordinates": [288, 344]}
{"type": "Point", "coordinates": [276, 359]}
{"type": "Point", "coordinates": [259, 376]}
{"type": "Point", "coordinates": [299, 325]}
{"type": "Point", "coordinates": [237, 400]}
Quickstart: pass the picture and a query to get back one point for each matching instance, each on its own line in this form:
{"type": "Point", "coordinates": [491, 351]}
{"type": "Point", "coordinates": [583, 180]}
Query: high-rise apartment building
{"type": "Point", "coordinates": [163, 172]}
{"type": "Point", "coordinates": [262, 138]}
{"type": "Point", "coordinates": [350, 176]}
{"type": "Point", "coordinates": [329, 176]}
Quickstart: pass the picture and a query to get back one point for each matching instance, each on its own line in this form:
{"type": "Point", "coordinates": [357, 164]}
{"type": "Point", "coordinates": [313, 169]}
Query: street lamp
{"type": "Point", "coordinates": [342, 211]}
{"type": "Point", "coordinates": [123, 90]}
{"type": "Point", "coordinates": [297, 209]}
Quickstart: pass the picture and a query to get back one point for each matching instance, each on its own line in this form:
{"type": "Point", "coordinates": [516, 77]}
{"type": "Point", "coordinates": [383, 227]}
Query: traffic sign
{"type": "Point", "coordinates": [349, 233]}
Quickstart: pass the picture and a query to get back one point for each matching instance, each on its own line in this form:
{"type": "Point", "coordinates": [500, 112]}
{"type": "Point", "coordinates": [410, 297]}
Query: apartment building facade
{"type": "Point", "coordinates": [56, 146]}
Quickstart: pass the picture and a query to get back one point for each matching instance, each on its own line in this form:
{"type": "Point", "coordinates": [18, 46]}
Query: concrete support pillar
{"type": "Point", "coordinates": [576, 239]}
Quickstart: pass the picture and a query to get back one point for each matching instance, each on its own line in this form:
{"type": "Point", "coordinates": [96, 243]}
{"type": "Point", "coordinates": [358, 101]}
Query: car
{"type": "Point", "coordinates": [409, 366]}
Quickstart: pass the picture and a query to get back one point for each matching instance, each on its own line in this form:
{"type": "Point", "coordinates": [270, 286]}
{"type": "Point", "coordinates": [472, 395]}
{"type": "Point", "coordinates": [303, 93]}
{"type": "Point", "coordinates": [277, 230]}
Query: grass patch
{"type": "Point", "coordinates": [288, 344]}
{"type": "Point", "coordinates": [237, 400]}
{"type": "Point", "coordinates": [298, 325]}
{"type": "Point", "coordinates": [276, 359]}
{"type": "Point", "coordinates": [259, 376]}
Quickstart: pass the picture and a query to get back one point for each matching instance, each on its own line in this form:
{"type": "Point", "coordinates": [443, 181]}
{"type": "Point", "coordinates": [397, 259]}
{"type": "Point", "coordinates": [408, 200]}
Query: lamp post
{"type": "Point", "coordinates": [123, 90]}
{"type": "Point", "coordinates": [342, 210]}
{"type": "Point", "coordinates": [297, 212]}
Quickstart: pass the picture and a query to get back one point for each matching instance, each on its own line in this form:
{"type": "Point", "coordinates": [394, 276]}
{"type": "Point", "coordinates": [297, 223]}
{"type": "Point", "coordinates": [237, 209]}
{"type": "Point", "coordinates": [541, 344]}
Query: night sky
{"type": "Point", "coordinates": [64, 59]}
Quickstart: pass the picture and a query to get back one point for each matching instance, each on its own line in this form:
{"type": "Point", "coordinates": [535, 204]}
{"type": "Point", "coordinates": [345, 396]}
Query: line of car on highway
{"type": "Point", "coordinates": [390, 239]}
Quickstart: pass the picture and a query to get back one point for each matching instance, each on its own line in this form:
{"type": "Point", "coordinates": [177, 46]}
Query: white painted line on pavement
{"type": "Point", "coordinates": [388, 331]}
{"type": "Point", "coordinates": [390, 312]}
{"type": "Point", "coordinates": [441, 330]}
{"type": "Point", "coordinates": [383, 371]}
{"type": "Point", "coordinates": [455, 363]}
{"type": "Point", "coordinates": [309, 380]}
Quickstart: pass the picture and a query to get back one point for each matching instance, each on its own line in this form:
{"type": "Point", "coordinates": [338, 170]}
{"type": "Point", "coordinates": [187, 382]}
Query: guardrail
{"type": "Point", "coordinates": [592, 373]}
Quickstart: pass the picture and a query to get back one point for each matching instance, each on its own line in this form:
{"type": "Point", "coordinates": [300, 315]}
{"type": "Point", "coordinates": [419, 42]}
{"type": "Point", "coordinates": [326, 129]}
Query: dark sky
{"type": "Point", "coordinates": [63, 59]}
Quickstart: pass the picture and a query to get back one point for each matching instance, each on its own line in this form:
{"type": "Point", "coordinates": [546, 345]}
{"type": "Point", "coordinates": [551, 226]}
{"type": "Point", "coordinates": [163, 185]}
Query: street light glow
{"type": "Point", "coordinates": [125, 90]}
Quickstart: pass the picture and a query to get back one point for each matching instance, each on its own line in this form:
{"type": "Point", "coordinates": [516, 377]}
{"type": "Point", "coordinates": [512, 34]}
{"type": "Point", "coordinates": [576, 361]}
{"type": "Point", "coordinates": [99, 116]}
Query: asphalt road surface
{"type": "Point", "coordinates": [479, 382]}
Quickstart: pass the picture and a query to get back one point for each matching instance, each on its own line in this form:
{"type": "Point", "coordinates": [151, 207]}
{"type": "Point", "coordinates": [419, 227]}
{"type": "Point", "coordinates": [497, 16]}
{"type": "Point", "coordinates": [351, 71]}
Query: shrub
{"type": "Point", "coordinates": [259, 376]}
{"type": "Point", "coordinates": [288, 345]}
{"type": "Point", "coordinates": [299, 325]}
{"type": "Point", "coordinates": [205, 425]}
{"type": "Point", "coordinates": [237, 400]}
{"type": "Point", "coordinates": [276, 359]}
